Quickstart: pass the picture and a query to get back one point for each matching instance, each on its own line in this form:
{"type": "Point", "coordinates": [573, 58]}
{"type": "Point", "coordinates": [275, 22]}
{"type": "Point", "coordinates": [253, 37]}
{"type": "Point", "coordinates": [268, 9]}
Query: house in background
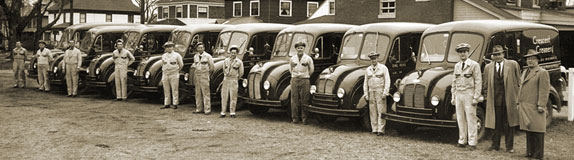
{"type": "Point", "coordinates": [272, 11]}
{"type": "Point", "coordinates": [185, 12]}
{"type": "Point", "coordinates": [92, 11]}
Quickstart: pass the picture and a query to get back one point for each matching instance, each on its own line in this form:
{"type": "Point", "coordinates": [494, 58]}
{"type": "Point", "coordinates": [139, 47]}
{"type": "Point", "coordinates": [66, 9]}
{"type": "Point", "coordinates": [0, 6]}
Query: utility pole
{"type": "Point", "coordinates": [71, 12]}
{"type": "Point", "coordinates": [142, 11]}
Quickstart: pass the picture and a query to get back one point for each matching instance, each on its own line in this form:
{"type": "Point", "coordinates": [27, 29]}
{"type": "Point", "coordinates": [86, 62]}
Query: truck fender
{"type": "Point", "coordinates": [362, 103]}
{"type": "Point", "coordinates": [554, 98]}
{"type": "Point", "coordinates": [112, 77]}
{"type": "Point", "coordinates": [285, 94]}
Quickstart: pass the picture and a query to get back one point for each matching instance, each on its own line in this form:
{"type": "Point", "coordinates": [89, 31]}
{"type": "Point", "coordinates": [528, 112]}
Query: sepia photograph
{"type": "Point", "coordinates": [287, 79]}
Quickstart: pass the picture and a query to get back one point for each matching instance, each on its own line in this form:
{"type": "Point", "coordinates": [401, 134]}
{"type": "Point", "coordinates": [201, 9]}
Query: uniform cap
{"type": "Point", "coordinates": [462, 47]}
{"type": "Point", "coordinates": [233, 47]}
{"type": "Point", "coordinates": [300, 44]}
{"type": "Point", "coordinates": [119, 41]}
{"type": "Point", "coordinates": [373, 55]}
{"type": "Point", "coordinates": [168, 44]}
{"type": "Point", "coordinates": [42, 42]}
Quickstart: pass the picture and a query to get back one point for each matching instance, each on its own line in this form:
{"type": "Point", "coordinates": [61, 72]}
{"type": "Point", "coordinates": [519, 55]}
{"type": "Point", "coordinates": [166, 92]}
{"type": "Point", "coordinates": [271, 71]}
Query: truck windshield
{"type": "Point", "coordinates": [374, 43]}
{"type": "Point", "coordinates": [63, 43]}
{"type": "Point", "coordinates": [131, 40]}
{"type": "Point", "coordinates": [240, 40]}
{"type": "Point", "coordinates": [87, 41]}
{"type": "Point", "coordinates": [301, 37]}
{"type": "Point", "coordinates": [351, 46]}
{"type": "Point", "coordinates": [475, 41]}
{"type": "Point", "coordinates": [223, 41]}
{"type": "Point", "coordinates": [434, 47]}
{"type": "Point", "coordinates": [282, 44]}
{"type": "Point", "coordinates": [181, 40]}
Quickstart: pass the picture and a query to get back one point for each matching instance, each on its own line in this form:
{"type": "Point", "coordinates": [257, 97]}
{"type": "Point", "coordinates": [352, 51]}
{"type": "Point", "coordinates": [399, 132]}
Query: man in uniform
{"type": "Point", "coordinates": [232, 71]}
{"type": "Point", "coordinates": [501, 80]}
{"type": "Point", "coordinates": [72, 63]}
{"type": "Point", "coordinates": [301, 67]}
{"type": "Point", "coordinates": [203, 65]}
{"type": "Point", "coordinates": [466, 90]}
{"type": "Point", "coordinates": [43, 59]}
{"type": "Point", "coordinates": [19, 54]}
{"type": "Point", "coordinates": [376, 88]}
{"type": "Point", "coordinates": [172, 63]}
{"type": "Point", "coordinates": [532, 104]}
{"type": "Point", "coordinates": [122, 59]}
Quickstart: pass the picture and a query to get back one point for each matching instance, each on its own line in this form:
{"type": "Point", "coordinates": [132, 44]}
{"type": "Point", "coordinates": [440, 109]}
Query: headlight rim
{"type": "Point", "coordinates": [147, 75]}
{"type": "Point", "coordinates": [435, 100]}
{"type": "Point", "coordinates": [55, 69]}
{"type": "Point", "coordinates": [313, 89]}
{"type": "Point", "coordinates": [97, 71]}
{"type": "Point", "coordinates": [244, 83]}
{"type": "Point", "coordinates": [397, 97]}
{"type": "Point", "coordinates": [340, 93]}
{"type": "Point", "coordinates": [266, 85]}
{"type": "Point", "coordinates": [186, 77]}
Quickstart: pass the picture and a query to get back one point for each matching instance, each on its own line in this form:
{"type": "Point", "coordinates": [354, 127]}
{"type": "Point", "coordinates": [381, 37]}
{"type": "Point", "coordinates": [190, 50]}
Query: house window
{"type": "Point", "coordinates": [202, 11]}
{"type": "Point", "coordinates": [387, 9]}
{"type": "Point", "coordinates": [569, 3]}
{"type": "Point", "coordinates": [82, 17]}
{"type": "Point", "coordinates": [331, 7]}
{"type": "Point", "coordinates": [179, 11]}
{"type": "Point", "coordinates": [131, 18]}
{"type": "Point", "coordinates": [108, 17]}
{"type": "Point", "coordinates": [535, 3]}
{"type": "Point", "coordinates": [237, 9]}
{"type": "Point", "coordinates": [166, 12]}
{"type": "Point", "coordinates": [285, 8]}
{"type": "Point", "coordinates": [254, 8]}
{"type": "Point", "coordinates": [311, 8]}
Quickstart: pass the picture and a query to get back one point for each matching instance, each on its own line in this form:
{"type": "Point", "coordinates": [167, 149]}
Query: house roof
{"type": "Point", "coordinates": [176, 1]}
{"type": "Point", "coordinates": [322, 19]}
{"type": "Point", "coordinates": [101, 5]}
{"type": "Point", "coordinates": [486, 27]}
{"type": "Point", "coordinates": [491, 9]}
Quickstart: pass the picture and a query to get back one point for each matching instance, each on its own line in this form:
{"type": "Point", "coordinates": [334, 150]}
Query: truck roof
{"type": "Point", "coordinates": [486, 27]}
{"type": "Point", "coordinates": [391, 29]}
{"type": "Point", "coordinates": [319, 28]}
{"type": "Point", "coordinates": [108, 29]}
{"type": "Point", "coordinates": [86, 26]}
{"type": "Point", "coordinates": [154, 28]}
{"type": "Point", "coordinates": [202, 28]}
{"type": "Point", "coordinates": [251, 28]}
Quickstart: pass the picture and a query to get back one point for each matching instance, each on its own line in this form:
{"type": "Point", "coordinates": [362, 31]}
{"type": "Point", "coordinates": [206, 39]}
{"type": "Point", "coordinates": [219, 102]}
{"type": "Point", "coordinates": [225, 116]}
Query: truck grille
{"type": "Point", "coordinates": [415, 95]}
{"type": "Point", "coordinates": [254, 85]}
{"type": "Point", "coordinates": [325, 100]}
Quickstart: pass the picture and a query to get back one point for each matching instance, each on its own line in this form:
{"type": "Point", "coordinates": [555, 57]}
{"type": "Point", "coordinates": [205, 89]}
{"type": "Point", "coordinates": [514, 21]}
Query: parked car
{"type": "Point", "coordinates": [147, 77]}
{"type": "Point", "coordinates": [338, 92]}
{"type": "Point", "coordinates": [269, 83]}
{"type": "Point", "coordinates": [96, 41]}
{"type": "Point", "coordinates": [142, 42]}
{"type": "Point", "coordinates": [255, 42]}
{"type": "Point", "coordinates": [423, 97]}
{"type": "Point", "coordinates": [74, 32]}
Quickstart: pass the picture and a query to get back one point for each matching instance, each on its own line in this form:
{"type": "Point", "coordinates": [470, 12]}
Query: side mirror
{"type": "Point", "coordinates": [251, 51]}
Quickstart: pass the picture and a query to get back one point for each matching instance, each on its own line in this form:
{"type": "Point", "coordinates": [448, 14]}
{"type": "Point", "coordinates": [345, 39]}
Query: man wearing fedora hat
{"type": "Point", "coordinates": [501, 80]}
{"type": "Point", "coordinates": [376, 88]}
{"type": "Point", "coordinates": [466, 90]}
{"type": "Point", "coordinates": [172, 63]}
{"type": "Point", "coordinates": [43, 59]}
{"type": "Point", "coordinates": [532, 101]}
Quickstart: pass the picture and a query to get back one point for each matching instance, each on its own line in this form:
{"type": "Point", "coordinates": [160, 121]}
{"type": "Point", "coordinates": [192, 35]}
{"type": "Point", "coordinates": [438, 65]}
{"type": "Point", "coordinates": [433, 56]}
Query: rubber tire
{"type": "Point", "coordinates": [480, 113]}
{"type": "Point", "coordinates": [258, 110]}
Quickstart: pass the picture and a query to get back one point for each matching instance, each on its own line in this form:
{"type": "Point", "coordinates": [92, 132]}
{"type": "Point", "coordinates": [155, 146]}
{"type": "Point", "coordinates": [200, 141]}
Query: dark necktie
{"type": "Point", "coordinates": [499, 70]}
{"type": "Point", "coordinates": [462, 65]}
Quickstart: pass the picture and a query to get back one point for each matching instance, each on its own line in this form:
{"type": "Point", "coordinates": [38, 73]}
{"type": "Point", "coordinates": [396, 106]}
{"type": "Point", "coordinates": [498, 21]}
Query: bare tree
{"type": "Point", "coordinates": [20, 13]}
{"type": "Point", "coordinates": [148, 9]}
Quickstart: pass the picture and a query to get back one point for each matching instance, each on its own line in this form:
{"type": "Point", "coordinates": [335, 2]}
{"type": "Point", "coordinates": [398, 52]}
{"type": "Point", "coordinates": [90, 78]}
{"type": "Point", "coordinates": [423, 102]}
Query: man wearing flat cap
{"type": "Point", "coordinates": [122, 59]}
{"type": "Point", "coordinates": [501, 80]}
{"type": "Point", "coordinates": [43, 59]}
{"type": "Point", "coordinates": [300, 66]}
{"type": "Point", "coordinates": [376, 88]}
{"type": "Point", "coordinates": [172, 63]}
{"type": "Point", "coordinates": [232, 71]}
{"type": "Point", "coordinates": [466, 90]}
{"type": "Point", "coordinates": [532, 104]}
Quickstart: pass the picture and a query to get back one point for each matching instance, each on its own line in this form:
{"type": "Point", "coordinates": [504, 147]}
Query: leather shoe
{"type": "Point", "coordinates": [196, 112]}
{"type": "Point", "coordinates": [117, 99]}
{"type": "Point", "coordinates": [232, 116]}
{"type": "Point", "coordinates": [294, 122]}
{"type": "Point", "coordinates": [69, 96]}
{"type": "Point", "coordinates": [174, 106]}
{"type": "Point", "coordinates": [304, 122]}
{"type": "Point", "coordinates": [528, 155]}
{"type": "Point", "coordinates": [491, 148]}
{"type": "Point", "coordinates": [510, 150]}
{"type": "Point", "coordinates": [222, 116]}
{"type": "Point", "coordinates": [207, 113]}
{"type": "Point", "coordinates": [165, 107]}
{"type": "Point", "coordinates": [380, 134]}
{"type": "Point", "coordinates": [460, 145]}
{"type": "Point", "coordinates": [471, 148]}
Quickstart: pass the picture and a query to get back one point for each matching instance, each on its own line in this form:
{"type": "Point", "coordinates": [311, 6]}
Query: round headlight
{"type": "Point", "coordinates": [434, 100]}
{"type": "Point", "coordinates": [397, 97]}
{"type": "Point", "coordinates": [97, 71]}
{"type": "Point", "coordinates": [340, 93]}
{"type": "Point", "coordinates": [135, 72]}
{"type": "Point", "coordinates": [147, 74]}
{"type": "Point", "coordinates": [313, 89]}
{"type": "Point", "coordinates": [55, 69]}
{"type": "Point", "coordinates": [87, 71]}
{"type": "Point", "coordinates": [244, 83]}
{"type": "Point", "coordinates": [186, 77]}
{"type": "Point", "coordinates": [35, 66]}
{"type": "Point", "coordinates": [266, 85]}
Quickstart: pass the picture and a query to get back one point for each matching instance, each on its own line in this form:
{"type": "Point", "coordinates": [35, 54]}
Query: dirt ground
{"type": "Point", "coordinates": [35, 125]}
